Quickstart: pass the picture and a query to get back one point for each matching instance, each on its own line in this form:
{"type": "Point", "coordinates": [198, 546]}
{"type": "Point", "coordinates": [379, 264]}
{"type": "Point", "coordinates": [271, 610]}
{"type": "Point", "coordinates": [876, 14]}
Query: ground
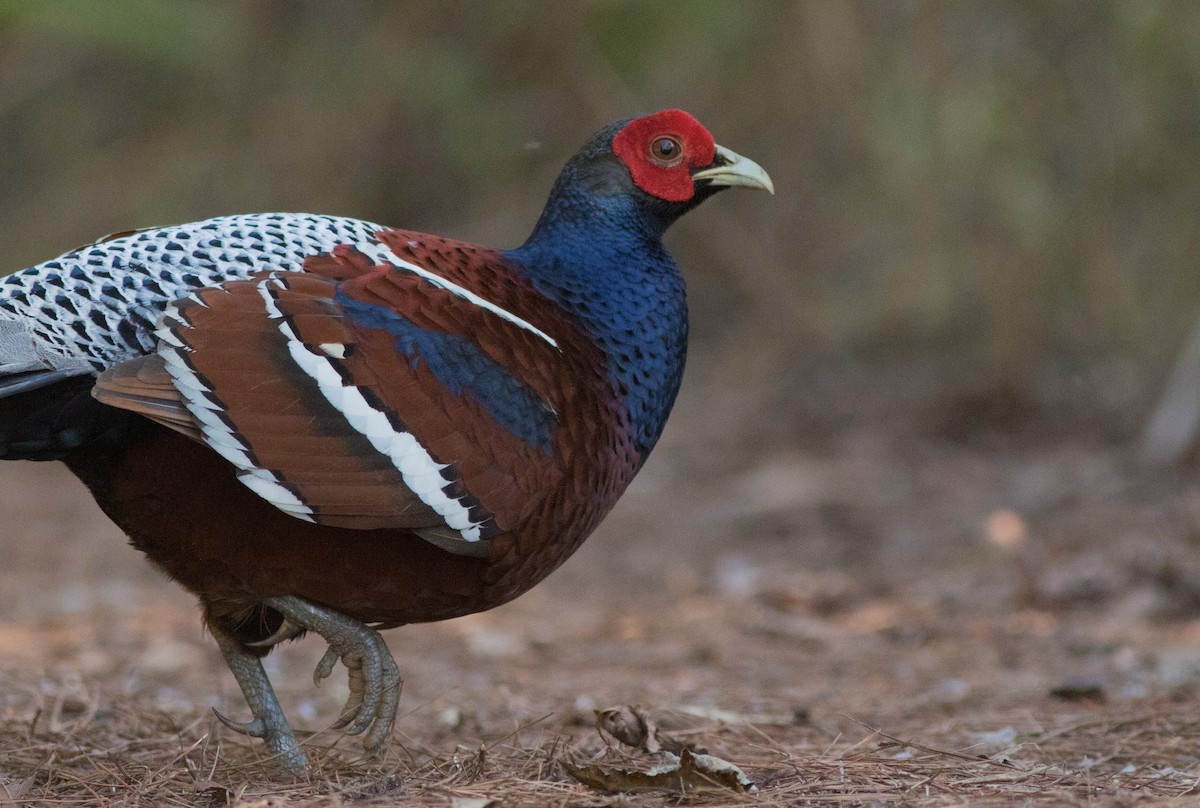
{"type": "Point", "coordinates": [861, 593]}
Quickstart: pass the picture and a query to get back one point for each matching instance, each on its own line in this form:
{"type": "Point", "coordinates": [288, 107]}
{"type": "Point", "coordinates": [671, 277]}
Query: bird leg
{"type": "Point", "coordinates": [374, 678]}
{"type": "Point", "coordinates": [269, 722]}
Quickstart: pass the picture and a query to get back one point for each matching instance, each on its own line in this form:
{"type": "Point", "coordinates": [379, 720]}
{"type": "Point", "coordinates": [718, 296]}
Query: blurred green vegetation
{"type": "Point", "coordinates": [1013, 183]}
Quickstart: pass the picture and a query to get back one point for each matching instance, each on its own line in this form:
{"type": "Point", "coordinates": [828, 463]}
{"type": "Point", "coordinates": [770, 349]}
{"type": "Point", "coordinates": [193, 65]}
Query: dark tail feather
{"type": "Point", "coordinates": [47, 419]}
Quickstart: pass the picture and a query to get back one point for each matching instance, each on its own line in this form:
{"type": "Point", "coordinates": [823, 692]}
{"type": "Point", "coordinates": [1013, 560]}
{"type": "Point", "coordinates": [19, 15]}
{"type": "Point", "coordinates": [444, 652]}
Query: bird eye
{"type": "Point", "coordinates": [665, 149]}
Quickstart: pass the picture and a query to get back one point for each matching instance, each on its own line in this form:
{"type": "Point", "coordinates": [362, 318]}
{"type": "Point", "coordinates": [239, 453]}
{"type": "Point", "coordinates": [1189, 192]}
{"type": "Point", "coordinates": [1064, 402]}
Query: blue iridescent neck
{"type": "Point", "coordinates": [603, 261]}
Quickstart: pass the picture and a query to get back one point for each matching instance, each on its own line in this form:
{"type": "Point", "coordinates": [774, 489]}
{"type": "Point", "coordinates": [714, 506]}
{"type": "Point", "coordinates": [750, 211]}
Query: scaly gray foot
{"type": "Point", "coordinates": [269, 722]}
{"type": "Point", "coordinates": [374, 678]}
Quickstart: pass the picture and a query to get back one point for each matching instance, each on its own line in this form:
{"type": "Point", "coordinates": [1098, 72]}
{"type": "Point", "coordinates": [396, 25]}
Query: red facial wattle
{"type": "Point", "coordinates": [668, 180]}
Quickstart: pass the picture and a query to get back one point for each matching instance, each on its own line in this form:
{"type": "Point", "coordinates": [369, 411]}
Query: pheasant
{"type": "Point", "coordinates": [321, 424]}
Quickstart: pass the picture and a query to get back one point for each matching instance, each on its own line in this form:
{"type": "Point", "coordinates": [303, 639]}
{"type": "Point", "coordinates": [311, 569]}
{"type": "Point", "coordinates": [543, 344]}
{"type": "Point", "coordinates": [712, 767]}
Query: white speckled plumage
{"type": "Point", "coordinates": [98, 305]}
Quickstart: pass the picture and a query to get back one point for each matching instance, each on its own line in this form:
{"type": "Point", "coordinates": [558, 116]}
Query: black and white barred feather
{"type": "Point", "coordinates": [99, 305]}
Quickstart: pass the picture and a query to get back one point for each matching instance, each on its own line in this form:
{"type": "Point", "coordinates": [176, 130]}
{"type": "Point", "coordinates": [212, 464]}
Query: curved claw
{"type": "Point", "coordinates": [255, 727]}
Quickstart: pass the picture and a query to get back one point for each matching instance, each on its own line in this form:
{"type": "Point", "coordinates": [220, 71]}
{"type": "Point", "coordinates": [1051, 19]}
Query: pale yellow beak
{"type": "Point", "coordinates": [733, 169]}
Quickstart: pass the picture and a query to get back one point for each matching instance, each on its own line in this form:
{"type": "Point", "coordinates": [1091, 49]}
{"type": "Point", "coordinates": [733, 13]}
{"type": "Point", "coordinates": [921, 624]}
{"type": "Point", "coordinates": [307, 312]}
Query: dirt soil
{"type": "Point", "coordinates": [876, 596]}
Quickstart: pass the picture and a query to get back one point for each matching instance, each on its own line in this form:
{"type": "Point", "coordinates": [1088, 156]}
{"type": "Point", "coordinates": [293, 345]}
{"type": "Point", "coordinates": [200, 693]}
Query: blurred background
{"type": "Point", "coordinates": [940, 340]}
{"type": "Point", "coordinates": [904, 475]}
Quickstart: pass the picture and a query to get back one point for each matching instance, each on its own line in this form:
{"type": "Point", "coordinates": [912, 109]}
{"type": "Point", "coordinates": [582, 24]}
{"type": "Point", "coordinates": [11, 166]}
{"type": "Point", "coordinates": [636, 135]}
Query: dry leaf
{"type": "Point", "coordinates": [630, 726]}
{"type": "Point", "coordinates": [685, 774]}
